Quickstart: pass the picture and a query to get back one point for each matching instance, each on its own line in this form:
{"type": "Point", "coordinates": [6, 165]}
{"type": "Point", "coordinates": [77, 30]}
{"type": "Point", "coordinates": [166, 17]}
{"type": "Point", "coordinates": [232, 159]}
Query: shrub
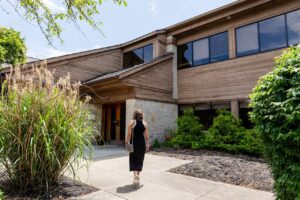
{"type": "Point", "coordinates": [45, 128]}
{"type": "Point", "coordinates": [226, 129]}
{"type": "Point", "coordinates": [1, 195]}
{"type": "Point", "coordinates": [156, 143]}
{"type": "Point", "coordinates": [276, 113]}
{"type": "Point", "coordinates": [228, 134]}
{"type": "Point", "coordinates": [188, 130]}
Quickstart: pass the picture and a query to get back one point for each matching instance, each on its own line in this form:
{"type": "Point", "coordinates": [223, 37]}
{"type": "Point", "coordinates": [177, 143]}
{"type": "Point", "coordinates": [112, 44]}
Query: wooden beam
{"type": "Point", "coordinates": [235, 108]}
{"type": "Point", "coordinates": [118, 117]}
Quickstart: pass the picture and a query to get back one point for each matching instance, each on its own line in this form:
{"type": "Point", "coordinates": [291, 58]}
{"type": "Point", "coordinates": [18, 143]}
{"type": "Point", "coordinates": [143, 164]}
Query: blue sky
{"type": "Point", "coordinates": [120, 24]}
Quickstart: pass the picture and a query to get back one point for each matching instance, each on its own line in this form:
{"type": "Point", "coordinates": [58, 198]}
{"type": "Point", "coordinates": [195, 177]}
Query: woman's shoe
{"type": "Point", "coordinates": [136, 182]}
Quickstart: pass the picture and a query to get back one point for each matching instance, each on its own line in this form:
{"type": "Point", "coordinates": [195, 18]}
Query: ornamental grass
{"type": "Point", "coordinates": [46, 128]}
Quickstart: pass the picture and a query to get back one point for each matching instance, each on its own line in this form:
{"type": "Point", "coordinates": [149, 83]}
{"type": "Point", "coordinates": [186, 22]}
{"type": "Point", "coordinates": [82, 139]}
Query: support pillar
{"type": "Point", "coordinates": [172, 47]}
{"type": "Point", "coordinates": [235, 108]}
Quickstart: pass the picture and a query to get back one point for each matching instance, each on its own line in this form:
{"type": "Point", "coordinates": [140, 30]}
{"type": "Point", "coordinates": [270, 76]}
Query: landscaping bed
{"type": "Point", "coordinates": [241, 170]}
{"type": "Point", "coordinates": [66, 189]}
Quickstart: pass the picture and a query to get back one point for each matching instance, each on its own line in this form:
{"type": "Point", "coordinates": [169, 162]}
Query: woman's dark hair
{"type": "Point", "coordinates": [138, 115]}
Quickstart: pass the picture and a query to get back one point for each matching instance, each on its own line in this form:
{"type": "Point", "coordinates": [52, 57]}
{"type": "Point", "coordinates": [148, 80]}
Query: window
{"type": "Point", "coordinates": [203, 51]}
{"type": "Point", "coordinates": [138, 56]}
{"type": "Point", "coordinates": [219, 47]}
{"type": "Point", "coordinates": [272, 33]}
{"type": "Point", "coordinates": [247, 40]}
{"type": "Point", "coordinates": [293, 27]}
{"type": "Point", "coordinates": [185, 56]}
{"type": "Point", "coordinates": [148, 53]}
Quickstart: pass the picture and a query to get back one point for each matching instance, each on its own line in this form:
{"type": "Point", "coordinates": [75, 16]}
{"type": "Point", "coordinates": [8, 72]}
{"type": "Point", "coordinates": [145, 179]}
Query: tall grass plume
{"type": "Point", "coordinates": [45, 127]}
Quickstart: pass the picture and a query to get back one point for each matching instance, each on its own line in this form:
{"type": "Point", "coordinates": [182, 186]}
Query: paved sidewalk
{"type": "Point", "coordinates": [111, 176]}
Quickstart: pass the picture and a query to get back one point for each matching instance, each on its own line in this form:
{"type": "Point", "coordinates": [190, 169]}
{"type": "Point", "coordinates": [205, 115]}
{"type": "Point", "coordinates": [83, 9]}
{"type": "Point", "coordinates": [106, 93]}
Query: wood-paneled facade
{"type": "Point", "coordinates": [226, 84]}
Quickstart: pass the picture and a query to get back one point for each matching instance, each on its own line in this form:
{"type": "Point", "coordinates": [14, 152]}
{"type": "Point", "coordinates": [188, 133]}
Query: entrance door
{"type": "Point", "coordinates": [113, 119]}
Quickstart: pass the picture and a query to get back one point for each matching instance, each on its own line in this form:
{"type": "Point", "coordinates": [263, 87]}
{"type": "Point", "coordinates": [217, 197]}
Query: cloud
{"type": "Point", "coordinates": [46, 53]}
{"type": "Point", "coordinates": [153, 8]}
{"type": "Point", "coordinates": [53, 6]}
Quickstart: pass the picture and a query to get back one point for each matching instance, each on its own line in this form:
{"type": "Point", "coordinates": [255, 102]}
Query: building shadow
{"type": "Point", "coordinates": [128, 188]}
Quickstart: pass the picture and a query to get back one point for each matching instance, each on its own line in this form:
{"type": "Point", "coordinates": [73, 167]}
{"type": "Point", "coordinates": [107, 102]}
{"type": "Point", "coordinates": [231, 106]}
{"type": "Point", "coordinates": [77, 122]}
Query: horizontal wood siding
{"type": "Point", "coordinates": [232, 79]}
{"type": "Point", "coordinates": [153, 83]}
{"type": "Point", "coordinates": [88, 67]}
{"type": "Point", "coordinates": [273, 8]}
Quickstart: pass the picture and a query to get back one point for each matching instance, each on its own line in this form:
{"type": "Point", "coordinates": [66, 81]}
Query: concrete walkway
{"type": "Point", "coordinates": [111, 176]}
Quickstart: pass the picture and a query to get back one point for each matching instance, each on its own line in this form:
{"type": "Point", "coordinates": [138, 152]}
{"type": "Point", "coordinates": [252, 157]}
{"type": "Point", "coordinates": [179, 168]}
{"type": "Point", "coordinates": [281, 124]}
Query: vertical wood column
{"type": "Point", "coordinates": [118, 119]}
{"type": "Point", "coordinates": [108, 123]}
{"type": "Point", "coordinates": [232, 46]}
{"type": "Point", "coordinates": [235, 108]}
{"type": "Point", "coordinates": [172, 47]}
{"type": "Point", "coordinates": [160, 46]}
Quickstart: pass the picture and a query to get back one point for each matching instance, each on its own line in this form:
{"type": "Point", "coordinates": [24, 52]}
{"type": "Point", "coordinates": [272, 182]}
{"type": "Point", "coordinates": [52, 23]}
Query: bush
{"type": "Point", "coordinates": [228, 134]}
{"type": "Point", "coordinates": [276, 113]}
{"type": "Point", "coordinates": [1, 195]}
{"type": "Point", "coordinates": [45, 128]}
{"type": "Point", "coordinates": [156, 143]}
{"type": "Point", "coordinates": [188, 130]}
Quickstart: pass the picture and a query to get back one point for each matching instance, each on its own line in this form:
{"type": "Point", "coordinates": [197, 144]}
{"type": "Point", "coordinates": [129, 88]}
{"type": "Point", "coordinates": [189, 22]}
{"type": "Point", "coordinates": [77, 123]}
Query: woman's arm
{"type": "Point", "coordinates": [146, 134]}
{"type": "Point", "coordinates": [128, 136]}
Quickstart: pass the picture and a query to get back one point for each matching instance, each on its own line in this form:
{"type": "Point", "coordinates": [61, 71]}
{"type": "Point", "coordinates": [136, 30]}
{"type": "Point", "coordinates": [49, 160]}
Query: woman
{"type": "Point", "coordinates": [138, 135]}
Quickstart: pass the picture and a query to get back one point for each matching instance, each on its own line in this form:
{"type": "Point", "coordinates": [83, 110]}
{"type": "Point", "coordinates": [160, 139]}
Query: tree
{"type": "Point", "coordinates": [12, 47]}
{"type": "Point", "coordinates": [276, 112]}
{"type": "Point", "coordinates": [71, 11]}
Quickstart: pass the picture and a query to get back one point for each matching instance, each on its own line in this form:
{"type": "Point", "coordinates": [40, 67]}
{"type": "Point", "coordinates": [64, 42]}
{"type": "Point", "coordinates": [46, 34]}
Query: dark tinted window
{"type": "Point", "coordinates": [148, 53]}
{"type": "Point", "coordinates": [219, 47]}
{"type": "Point", "coordinates": [247, 40]}
{"type": "Point", "coordinates": [185, 55]}
{"type": "Point", "coordinates": [201, 52]}
{"type": "Point", "coordinates": [138, 56]}
{"type": "Point", "coordinates": [293, 27]}
{"type": "Point", "coordinates": [272, 33]}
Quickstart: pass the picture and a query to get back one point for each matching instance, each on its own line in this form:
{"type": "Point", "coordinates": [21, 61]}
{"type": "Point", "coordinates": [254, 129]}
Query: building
{"type": "Point", "coordinates": [208, 62]}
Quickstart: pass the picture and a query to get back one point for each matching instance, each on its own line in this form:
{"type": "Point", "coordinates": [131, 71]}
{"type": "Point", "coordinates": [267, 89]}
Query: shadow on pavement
{"type": "Point", "coordinates": [127, 188]}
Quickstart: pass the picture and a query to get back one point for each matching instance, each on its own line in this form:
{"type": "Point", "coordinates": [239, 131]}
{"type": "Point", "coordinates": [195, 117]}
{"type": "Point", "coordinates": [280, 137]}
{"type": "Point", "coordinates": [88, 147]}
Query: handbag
{"type": "Point", "coordinates": [129, 147]}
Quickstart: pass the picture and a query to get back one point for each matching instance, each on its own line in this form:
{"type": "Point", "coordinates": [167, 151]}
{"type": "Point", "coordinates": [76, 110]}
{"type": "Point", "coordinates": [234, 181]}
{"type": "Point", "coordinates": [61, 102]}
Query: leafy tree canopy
{"type": "Point", "coordinates": [12, 47]}
{"type": "Point", "coordinates": [71, 11]}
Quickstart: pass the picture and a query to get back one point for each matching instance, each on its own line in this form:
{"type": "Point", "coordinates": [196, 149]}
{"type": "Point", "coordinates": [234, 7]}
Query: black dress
{"type": "Point", "coordinates": [136, 158]}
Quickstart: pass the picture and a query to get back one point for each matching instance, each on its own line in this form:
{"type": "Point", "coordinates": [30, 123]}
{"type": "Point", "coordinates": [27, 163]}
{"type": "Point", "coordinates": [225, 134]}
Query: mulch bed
{"type": "Point", "coordinates": [67, 188]}
{"type": "Point", "coordinates": [241, 170]}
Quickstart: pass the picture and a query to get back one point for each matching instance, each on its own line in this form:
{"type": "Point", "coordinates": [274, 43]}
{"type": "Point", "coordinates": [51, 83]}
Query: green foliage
{"type": "Point", "coordinates": [12, 47]}
{"type": "Point", "coordinates": [49, 18]}
{"type": "Point", "coordinates": [226, 133]}
{"type": "Point", "coordinates": [1, 195]}
{"type": "Point", "coordinates": [156, 143]}
{"type": "Point", "coordinates": [188, 130]}
{"type": "Point", "coordinates": [276, 113]}
{"type": "Point", "coordinates": [45, 128]}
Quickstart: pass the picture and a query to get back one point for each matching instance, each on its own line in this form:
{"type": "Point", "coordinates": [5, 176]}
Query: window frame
{"type": "Point", "coordinates": [143, 55]}
{"type": "Point", "coordinates": [258, 33]}
{"type": "Point", "coordinates": [209, 50]}
{"type": "Point", "coordinates": [236, 44]}
{"type": "Point", "coordinates": [286, 27]}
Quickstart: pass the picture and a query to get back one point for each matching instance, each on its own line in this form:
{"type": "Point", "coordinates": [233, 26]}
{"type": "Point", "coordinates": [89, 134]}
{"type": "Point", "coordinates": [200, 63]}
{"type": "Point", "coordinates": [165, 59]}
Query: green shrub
{"type": "Point", "coordinates": [276, 113]}
{"type": "Point", "coordinates": [156, 143]}
{"type": "Point", "coordinates": [226, 129]}
{"type": "Point", "coordinates": [45, 128]}
{"type": "Point", "coordinates": [188, 130]}
{"type": "Point", "coordinates": [228, 134]}
{"type": "Point", "coordinates": [1, 195]}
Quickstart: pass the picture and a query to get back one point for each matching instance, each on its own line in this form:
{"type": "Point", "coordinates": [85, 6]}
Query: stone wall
{"type": "Point", "coordinates": [161, 117]}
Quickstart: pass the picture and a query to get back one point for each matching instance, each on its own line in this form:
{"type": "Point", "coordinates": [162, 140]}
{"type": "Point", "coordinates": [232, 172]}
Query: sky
{"type": "Point", "coordinates": [119, 24]}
